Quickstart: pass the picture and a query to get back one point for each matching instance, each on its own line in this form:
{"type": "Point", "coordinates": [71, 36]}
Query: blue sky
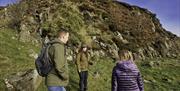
{"type": "Point", "coordinates": [5, 2]}
{"type": "Point", "coordinates": [168, 11]}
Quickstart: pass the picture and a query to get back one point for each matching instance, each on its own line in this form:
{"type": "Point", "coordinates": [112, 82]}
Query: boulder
{"type": "Point", "coordinates": [23, 81]}
{"type": "Point", "coordinates": [24, 36]}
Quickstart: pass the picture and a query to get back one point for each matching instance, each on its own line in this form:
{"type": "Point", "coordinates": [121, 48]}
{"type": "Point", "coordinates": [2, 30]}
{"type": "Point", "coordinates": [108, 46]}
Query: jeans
{"type": "Point", "coordinates": [56, 88]}
{"type": "Point", "coordinates": [83, 80]}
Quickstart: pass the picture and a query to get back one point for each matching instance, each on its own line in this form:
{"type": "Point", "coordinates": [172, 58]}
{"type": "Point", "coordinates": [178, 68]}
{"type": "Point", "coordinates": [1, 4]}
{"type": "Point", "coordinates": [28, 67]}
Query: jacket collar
{"type": "Point", "coordinates": [56, 40]}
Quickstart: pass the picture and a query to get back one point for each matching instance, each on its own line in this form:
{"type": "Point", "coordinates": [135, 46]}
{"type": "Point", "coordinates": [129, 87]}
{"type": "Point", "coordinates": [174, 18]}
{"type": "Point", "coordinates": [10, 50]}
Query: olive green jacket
{"type": "Point", "coordinates": [82, 61]}
{"type": "Point", "coordinates": [58, 76]}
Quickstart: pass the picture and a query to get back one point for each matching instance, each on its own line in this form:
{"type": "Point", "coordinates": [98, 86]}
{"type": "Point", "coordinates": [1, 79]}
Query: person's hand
{"type": "Point", "coordinates": [79, 71]}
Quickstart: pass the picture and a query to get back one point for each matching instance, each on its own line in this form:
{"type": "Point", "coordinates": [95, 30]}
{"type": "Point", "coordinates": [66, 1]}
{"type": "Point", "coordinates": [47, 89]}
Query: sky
{"type": "Point", "coordinates": [5, 2]}
{"type": "Point", "coordinates": [167, 11]}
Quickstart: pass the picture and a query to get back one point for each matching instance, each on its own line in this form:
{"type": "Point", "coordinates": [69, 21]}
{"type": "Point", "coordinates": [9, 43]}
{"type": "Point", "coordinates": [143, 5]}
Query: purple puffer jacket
{"type": "Point", "coordinates": [126, 77]}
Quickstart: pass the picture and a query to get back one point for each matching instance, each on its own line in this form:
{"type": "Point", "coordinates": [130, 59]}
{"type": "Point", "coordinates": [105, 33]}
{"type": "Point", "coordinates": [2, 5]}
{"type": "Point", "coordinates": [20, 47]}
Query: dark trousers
{"type": "Point", "coordinates": [83, 80]}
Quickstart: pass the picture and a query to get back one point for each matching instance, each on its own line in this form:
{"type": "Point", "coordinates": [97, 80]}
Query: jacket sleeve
{"type": "Point", "coordinates": [78, 61]}
{"type": "Point", "coordinates": [140, 82]}
{"type": "Point", "coordinates": [89, 59]}
{"type": "Point", "coordinates": [114, 80]}
{"type": "Point", "coordinates": [60, 62]}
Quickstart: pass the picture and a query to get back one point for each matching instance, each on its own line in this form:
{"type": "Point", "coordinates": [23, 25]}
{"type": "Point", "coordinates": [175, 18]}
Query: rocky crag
{"type": "Point", "coordinates": [106, 26]}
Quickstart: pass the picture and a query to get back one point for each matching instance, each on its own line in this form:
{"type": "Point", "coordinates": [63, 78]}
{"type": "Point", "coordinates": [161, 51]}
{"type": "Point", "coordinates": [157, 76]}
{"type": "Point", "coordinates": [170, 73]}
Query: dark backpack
{"type": "Point", "coordinates": [44, 63]}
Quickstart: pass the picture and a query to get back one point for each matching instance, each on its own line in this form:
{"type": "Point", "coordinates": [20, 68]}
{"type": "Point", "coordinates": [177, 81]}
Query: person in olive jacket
{"type": "Point", "coordinates": [82, 62]}
{"type": "Point", "coordinates": [58, 77]}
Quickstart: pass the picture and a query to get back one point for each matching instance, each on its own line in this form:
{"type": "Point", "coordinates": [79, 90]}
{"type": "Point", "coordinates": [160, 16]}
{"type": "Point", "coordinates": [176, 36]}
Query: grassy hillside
{"type": "Point", "coordinates": [158, 74]}
{"type": "Point", "coordinates": [101, 24]}
{"type": "Point", "coordinates": [14, 55]}
{"type": "Point", "coordinates": [161, 74]}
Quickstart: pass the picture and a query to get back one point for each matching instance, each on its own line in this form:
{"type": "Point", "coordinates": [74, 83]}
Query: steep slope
{"type": "Point", "coordinates": [15, 56]}
{"type": "Point", "coordinates": [108, 26]}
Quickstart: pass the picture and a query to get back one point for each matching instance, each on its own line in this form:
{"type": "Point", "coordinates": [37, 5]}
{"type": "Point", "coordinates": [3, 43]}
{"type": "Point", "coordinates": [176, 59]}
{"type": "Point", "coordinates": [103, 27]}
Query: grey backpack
{"type": "Point", "coordinates": [44, 63]}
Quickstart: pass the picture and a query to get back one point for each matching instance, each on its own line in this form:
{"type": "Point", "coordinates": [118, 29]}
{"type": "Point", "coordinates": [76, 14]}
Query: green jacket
{"type": "Point", "coordinates": [82, 61]}
{"type": "Point", "coordinates": [58, 76]}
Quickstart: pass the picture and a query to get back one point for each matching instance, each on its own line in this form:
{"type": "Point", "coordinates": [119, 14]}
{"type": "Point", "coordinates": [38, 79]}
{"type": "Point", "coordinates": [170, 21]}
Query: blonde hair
{"type": "Point", "coordinates": [125, 55]}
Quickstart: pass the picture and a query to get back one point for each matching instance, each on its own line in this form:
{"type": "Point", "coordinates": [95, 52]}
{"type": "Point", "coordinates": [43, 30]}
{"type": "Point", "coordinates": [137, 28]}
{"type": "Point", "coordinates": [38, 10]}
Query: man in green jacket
{"type": "Point", "coordinates": [58, 77]}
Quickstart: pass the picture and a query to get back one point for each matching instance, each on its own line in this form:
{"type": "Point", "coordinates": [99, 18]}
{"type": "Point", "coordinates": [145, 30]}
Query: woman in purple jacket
{"type": "Point", "coordinates": [126, 75]}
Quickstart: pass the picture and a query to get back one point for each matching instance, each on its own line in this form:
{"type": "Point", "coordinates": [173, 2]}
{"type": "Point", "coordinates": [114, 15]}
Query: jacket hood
{"type": "Point", "coordinates": [56, 40]}
{"type": "Point", "coordinates": [127, 66]}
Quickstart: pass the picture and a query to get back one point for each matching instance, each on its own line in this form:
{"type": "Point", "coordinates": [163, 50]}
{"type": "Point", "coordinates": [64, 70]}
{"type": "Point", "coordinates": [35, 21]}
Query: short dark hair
{"type": "Point", "coordinates": [84, 46]}
{"type": "Point", "coordinates": [62, 31]}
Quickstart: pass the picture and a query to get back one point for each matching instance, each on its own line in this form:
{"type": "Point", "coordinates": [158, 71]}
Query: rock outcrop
{"type": "Point", "coordinates": [105, 25]}
{"type": "Point", "coordinates": [23, 81]}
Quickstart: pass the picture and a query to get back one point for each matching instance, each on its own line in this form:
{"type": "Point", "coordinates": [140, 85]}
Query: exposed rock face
{"type": "Point", "coordinates": [28, 27]}
{"type": "Point", "coordinates": [23, 81]}
{"type": "Point", "coordinates": [105, 25]}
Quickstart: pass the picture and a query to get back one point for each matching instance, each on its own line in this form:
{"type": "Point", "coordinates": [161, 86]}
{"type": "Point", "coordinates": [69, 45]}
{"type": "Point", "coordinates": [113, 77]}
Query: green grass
{"type": "Point", "coordinates": [164, 75]}
{"type": "Point", "coordinates": [95, 83]}
{"type": "Point", "coordinates": [159, 74]}
{"type": "Point", "coordinates": [101, 83]}
{"type": "Point", "coordinates": [14, 55]}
